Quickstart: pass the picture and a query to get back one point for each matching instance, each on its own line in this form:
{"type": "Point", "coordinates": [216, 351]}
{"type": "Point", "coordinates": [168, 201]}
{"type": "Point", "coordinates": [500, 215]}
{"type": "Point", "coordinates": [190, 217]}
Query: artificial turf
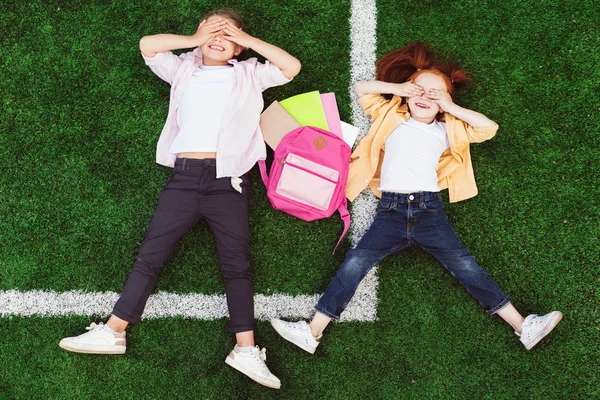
{"type": "Point", "coordinates": [80, 118]}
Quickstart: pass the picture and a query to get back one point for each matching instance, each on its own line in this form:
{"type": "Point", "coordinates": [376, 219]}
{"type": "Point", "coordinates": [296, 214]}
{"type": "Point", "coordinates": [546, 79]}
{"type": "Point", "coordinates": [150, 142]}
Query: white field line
{"type": "Point", "coordinates": [363, 306]}
{"type": "Point", "coordinates": [363, 34]}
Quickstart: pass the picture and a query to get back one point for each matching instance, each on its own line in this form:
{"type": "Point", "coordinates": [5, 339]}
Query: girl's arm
{"type": "Point", "coordinates": [406, 89]}
{"type": "Point", "coordinates": [288, 64]}
{"type": "Point", "coordinates": [473, 118]}
{"type": "Point", "coordinates": [151, 45]}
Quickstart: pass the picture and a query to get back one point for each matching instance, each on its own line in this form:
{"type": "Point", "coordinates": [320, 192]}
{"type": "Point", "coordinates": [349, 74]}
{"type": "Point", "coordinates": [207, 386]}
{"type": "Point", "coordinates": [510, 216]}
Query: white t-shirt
{"type": "Point", "coordinates": [201, 109]}
{"type": "Point", "coordinates": [412, 155]}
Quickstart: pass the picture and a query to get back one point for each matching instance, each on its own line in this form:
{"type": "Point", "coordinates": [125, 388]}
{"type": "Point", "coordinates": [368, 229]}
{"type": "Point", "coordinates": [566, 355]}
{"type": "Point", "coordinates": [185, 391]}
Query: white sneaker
{"type": "Point", "coordinates": [298, 333]}
{"type": "Point", "coordinates": [253, 365]}
{"type": "Point", "coordinates": [535, 328]}
{"type": "Point", "coordinates": [97, 341]}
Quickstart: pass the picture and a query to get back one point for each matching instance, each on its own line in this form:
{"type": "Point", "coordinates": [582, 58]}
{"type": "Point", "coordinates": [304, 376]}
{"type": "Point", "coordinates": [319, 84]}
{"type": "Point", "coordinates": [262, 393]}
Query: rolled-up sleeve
{"type": "Point", "coordinates": [269, 75]}
{"type": "Point", "coordinates": [371, 104]}
{"type": "Point", "coordinates": [478, 135]}
{"type": "Point", "coordinates": [164, 65]}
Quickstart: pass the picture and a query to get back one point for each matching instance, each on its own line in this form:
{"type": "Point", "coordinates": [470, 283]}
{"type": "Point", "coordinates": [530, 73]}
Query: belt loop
{"type": "Point", "coordinates": [395, 201]}
{"type": "Point", "coordinates": [183, 164]}
{"type": "Point", "coordinates": [421, 199]}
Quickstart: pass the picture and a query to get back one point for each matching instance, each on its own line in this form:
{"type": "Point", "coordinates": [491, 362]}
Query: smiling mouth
{"type": "Point", "coordinates": [216, 47]}
{"type": "Point", "coordinates": [422, 105]}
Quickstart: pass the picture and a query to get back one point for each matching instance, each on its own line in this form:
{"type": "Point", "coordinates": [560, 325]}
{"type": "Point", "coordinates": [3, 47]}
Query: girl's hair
{"type": "Point", "coordinates": [226, 13]}
{"type": "Point", "coordinates": [410, 61]}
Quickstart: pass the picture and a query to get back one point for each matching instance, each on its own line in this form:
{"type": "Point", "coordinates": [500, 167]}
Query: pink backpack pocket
{"type": "Point", "coordinates": [299, 173]}
{"type": "Point", "coordinates": [309, 174]}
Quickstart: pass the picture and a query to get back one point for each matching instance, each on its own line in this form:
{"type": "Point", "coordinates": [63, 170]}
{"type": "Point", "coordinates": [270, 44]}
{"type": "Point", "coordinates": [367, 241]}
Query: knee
{"type": "Point", "coordinates": [147, 266]}
{"type": "Point", "coordinates": [357, 262]}
{"type": "Point", "coordinates": [239, 269]}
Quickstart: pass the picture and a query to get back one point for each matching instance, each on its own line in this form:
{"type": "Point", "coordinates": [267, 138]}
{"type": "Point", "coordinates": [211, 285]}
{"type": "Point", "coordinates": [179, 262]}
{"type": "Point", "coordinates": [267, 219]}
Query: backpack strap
{"type": "Point", "coordinates": [262, 165]}
{"type": "Point", "coordinates": [345, 215]}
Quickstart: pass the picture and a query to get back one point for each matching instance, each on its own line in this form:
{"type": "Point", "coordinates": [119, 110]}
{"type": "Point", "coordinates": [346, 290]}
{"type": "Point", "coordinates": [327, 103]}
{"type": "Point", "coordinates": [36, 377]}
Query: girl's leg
{"type": "Point", "coordinates": [117, 324]}
{"type": "Point", "coordinates": [510, 314]}
{"type": "Point", "coordinates": [175, 214]}
{"type": "Point", "coordinates": [434, 234]}
{"type": "Point", "coordinates": [319, 323]}
{"type": "Point", "coordinates": [386, 235]}
{"type": "Point", "coordinates": [226, 212]}
{"type": "Point", "coordinates": [244, 339]}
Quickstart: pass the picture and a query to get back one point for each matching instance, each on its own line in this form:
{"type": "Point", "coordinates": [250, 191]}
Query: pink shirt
{"type": "Point", "coordinates": [241, 142]}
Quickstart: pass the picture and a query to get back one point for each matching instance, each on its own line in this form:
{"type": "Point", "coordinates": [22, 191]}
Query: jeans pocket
{"type": "Point", "coordinates": [169, 179]}
{"type": "Point", "coordinates": [433, 206]}
{"type": "Point", "coordinates": [384, 206]}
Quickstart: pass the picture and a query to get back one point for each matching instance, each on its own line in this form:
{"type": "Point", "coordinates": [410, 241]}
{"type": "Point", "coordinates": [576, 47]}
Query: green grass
{"type": "Point", "coordinates": [80, 118]}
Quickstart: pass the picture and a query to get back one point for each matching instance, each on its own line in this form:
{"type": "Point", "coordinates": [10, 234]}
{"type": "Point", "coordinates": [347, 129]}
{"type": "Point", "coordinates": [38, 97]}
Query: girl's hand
{"type": "Point", "coordinates": [441, 98]}
{"type": "Point", "coordinates": [408, 89]}
{"type": "Point", "coordinates": [234, 34]}
{"type": "Point", "coordinates": [208, 30]}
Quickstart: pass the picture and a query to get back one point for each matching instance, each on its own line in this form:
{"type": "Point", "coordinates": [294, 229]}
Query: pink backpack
{"type": "Point", "coordinates": [309, 175]}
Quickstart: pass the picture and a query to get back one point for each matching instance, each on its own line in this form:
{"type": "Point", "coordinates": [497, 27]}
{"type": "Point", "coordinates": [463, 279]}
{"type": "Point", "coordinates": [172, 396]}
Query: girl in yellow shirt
{"type": "Point", "coordinates": [426, 139]}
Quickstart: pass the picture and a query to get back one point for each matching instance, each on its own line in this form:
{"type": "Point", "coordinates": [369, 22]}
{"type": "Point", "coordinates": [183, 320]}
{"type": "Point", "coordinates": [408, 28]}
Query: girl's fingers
{"type": "Point", "coordinates": [231, 25]}
{"type": "Point", "coordinates": [229, 31]}
{"type": "Point", "coordinates": [218, 22]}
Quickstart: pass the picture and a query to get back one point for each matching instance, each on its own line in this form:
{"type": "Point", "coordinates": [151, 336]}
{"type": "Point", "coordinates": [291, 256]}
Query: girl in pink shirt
{"type": "Point", "coordinates": [211, 138]}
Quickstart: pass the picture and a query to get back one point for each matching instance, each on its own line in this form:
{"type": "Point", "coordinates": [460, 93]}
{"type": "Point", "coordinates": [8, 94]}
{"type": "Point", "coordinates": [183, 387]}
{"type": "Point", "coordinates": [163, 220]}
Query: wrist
{"type": "Point", "coordinates": [251, 43]}
{"type": "Point", "coordinates": [452, 108]}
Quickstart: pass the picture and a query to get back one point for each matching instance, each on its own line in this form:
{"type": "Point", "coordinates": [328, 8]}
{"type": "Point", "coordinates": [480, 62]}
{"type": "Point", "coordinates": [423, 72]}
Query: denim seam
{"type": "Point", "coordinates": [503, 303]}
{"type": "Point", "coordinates": [326, 313]}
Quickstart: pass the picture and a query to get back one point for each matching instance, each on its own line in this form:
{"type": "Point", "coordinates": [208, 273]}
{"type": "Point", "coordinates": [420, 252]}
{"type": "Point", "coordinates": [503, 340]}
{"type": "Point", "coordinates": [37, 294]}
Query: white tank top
{"type": "Point", "coordinates": [412, 155]}
{"type": "Point", "coordinates": [201, 109]}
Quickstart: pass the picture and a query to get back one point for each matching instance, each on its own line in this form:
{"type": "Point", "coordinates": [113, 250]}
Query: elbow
{"type": "Point", "coordinates": [143, 43]}
{"type": "Point", "coordinates": [359, 88]}
{"type": "Point", "coordinates": [144, 47]}
{"type": "Point", "coordinates": [293, 70]}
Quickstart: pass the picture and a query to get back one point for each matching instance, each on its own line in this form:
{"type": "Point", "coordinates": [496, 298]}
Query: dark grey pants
{"type": "Point", "coordinates": [193, 193]}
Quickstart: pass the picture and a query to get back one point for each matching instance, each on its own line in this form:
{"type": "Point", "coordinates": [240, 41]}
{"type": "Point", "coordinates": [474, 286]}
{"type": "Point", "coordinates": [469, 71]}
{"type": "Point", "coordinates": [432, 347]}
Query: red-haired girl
{"type": "Point", "coordinates": [426, 137]}
{"type": "Point", "coordinates": [212, 139]}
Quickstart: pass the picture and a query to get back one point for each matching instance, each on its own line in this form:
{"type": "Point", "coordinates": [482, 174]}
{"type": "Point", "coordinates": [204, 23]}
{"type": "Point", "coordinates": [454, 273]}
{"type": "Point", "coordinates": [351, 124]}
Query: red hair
{"type": "Point", "coordinates": [405, 64]}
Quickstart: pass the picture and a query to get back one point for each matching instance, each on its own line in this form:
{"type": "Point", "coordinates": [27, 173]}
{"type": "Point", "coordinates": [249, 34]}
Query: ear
{"type": "Point", "coordinates": [238, 50]}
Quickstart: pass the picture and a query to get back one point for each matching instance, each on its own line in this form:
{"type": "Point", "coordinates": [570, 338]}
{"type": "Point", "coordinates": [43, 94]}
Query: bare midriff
{"type": "Point", "coordinates": [197, 154]}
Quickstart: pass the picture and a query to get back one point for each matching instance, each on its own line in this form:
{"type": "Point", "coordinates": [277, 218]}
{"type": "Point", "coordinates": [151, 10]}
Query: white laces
{"type": "Point", "coordinates": [263, 354]}
{"type": "Point", "coordinates": [95, 327]}
{"type": "Point", "coordinates": [298, 325]}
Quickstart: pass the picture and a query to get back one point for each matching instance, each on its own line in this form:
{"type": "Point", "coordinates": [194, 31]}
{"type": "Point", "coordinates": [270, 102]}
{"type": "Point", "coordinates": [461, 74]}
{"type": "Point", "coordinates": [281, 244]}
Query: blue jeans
{"type": "Point", "coordinates": [401, 221]}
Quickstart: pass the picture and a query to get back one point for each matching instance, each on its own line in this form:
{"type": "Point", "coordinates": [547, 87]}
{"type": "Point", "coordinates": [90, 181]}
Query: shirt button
{"type": "Point", "coordinates": [411, 197]}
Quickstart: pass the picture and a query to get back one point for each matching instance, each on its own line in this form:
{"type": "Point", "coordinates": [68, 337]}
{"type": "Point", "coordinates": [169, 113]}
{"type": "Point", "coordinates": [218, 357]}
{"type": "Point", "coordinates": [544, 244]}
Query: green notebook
{"type": "Point", "coordinates": [307, 109]}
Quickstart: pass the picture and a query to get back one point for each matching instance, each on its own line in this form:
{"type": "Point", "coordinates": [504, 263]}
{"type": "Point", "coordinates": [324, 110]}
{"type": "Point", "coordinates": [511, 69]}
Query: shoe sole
{"type": "Point", "coordinates": [290, 339]}
{"type": "Point", "coordinates": [101, 350]}
{"type": "Point", "coordinates": [551, 325]}
{"type": "Point", "coordinates": [234, 364]}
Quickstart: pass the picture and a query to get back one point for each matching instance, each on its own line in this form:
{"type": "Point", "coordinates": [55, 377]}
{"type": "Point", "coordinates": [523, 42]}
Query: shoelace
{"type": "Point", "coordinates": [263, 354]}
{"type": "Point", "coordinates": [298, 325]}
{"type": "Point", "coordinates": [93, 326]}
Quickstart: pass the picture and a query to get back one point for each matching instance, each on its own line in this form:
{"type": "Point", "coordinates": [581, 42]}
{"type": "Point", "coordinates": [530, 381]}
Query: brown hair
{"type": "Point", "coordinates": [226, 13]}
{"type": "Point", "coordinates": [410, 61]}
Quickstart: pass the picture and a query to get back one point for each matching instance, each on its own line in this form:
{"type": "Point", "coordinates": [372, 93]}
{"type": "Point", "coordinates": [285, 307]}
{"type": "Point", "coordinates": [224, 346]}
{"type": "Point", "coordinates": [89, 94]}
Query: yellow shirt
{"type": "Point", "coordinates": [455, 171]}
